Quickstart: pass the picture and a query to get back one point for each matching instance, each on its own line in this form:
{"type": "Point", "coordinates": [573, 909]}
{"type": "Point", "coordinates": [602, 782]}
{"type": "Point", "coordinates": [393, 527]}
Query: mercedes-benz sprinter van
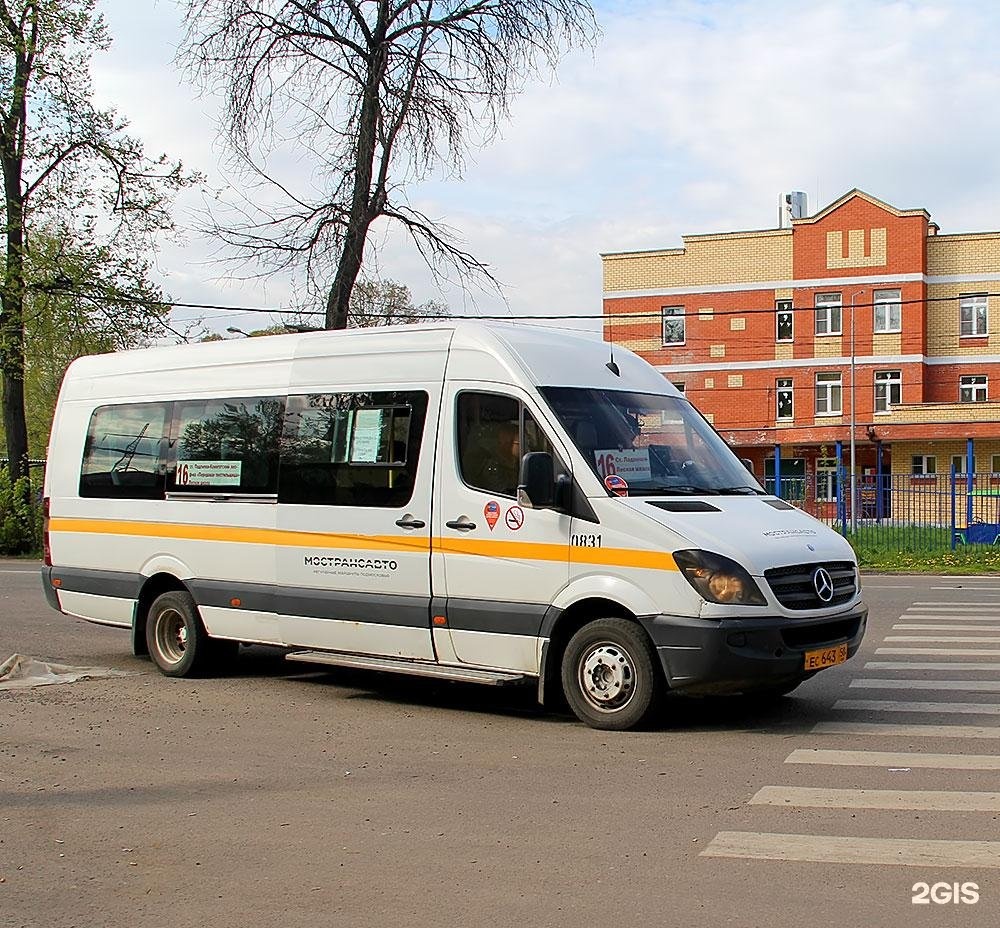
{"type": "Point", "coordinates": [495, 503]}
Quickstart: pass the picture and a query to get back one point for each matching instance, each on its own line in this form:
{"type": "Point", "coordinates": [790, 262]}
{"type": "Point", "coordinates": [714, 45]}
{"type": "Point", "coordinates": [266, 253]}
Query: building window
{"type": "Point", "coordinates": [995, 464]}
{"type": "Point", "coordinates": [829, 394]}
{"type": "Point", "coordinates": [972, 389]}
{"type": "Point", "coordinates": [785, 403]}
{"type": "Point", "coordinates": [888, 390]}
{"type": "Point", "coordinates": [826, 479]}
{"type": "Point", "coordinates": [888, 311]}
{"type": "Point", "coordinates": [923, 465]}
{"type": "Point", "coordinates": [972, 314]}
{"type": "Point", "coordinates": [679, 386]}
{"type": "Point", "coordinates": [828, 314]}
{"type": "Point", "coordinates": [784, 325]}
{"type": "Point", "coordinates": [958, 464]}
{"type": "Point", "coordinates": [673, 325]}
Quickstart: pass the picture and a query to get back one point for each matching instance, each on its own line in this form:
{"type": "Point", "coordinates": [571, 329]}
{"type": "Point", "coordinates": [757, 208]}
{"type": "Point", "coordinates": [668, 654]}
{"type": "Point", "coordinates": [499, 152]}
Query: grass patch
{"type": "Point", "coordinates": [920, 549]}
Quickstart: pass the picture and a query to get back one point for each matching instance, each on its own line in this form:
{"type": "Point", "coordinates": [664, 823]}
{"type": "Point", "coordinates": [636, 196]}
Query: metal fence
{"type": "Point", "coordinates": [901, 512]}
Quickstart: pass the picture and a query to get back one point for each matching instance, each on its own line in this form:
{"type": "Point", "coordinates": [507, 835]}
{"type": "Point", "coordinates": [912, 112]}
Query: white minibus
{"type": "Point", "coordinates": [494, 503]}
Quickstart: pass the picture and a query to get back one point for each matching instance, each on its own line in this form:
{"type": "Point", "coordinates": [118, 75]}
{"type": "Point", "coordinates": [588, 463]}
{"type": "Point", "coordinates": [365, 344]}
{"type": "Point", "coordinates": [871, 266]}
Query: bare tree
{"type": "Point", "coordinates": [382, 92]}
{"type": "Point", "coordinates": [68, 168]}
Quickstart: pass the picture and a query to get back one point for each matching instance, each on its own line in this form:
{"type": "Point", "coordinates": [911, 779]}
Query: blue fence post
{"type": "Point", "coordinates": [970, 466]}
{"type": "Point", "coordinates": [841, 505]}
{"type": "Point", "coordinates": [954, 513]}
{"type": "Point", "coordinates": [879, 489]}
{"type": "Point", "coordinates": [777, 471]}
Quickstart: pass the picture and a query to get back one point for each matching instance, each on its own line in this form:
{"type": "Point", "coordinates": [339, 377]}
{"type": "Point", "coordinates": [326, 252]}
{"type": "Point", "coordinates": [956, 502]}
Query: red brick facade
{"type": "Point", "coordinates": [937, 319]}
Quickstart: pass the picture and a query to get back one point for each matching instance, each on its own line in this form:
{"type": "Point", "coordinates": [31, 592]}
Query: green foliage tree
{"type": "Point", "coordinates": [381, 92]}
{"type": "Point", "coordinates": [385, 302]}
{"type": "Point", "coordinates": [71, 172]}
{"type": "Point", "coordinates": [81, 298]}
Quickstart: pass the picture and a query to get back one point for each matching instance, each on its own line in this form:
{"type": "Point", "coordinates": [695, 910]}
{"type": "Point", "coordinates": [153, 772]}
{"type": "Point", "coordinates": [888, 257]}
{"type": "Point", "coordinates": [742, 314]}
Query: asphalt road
{"type": "Point", "coordinates": [286, 795]}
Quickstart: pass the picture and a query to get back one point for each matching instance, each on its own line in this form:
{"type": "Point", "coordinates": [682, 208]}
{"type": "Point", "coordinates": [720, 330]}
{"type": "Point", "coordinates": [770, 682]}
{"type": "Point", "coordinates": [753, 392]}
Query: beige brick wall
{"type": "Point", "coordinates": [856, 256]}
{"type": "Point", "coordinates": [735, 258]}
{"type": "Point", "coordinates": [829, 347]}
{"type": "Point", "coordinates": [887, 344]}
{"type": "Point", "coordinates": [941, 412]}
{"type": "Point", "coordinates": [943, 321]}
{"type": "Point", "coordinates": [784, 352]}
{"type": "Point", "coordinates": [964, 254]}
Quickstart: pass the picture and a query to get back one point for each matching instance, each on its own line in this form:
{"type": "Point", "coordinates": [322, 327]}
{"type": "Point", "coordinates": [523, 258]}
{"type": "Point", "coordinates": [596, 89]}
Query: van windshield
{"type": "Point", "coordinates": [660, 445]}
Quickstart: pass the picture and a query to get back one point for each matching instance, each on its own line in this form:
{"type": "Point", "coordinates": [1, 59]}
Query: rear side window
{"type": "Point", "coordinates": [124, 454]}
{"type": "Point", "coordinates": [352, 449]}
{"type": "Point", "coordinates": [225, 446]}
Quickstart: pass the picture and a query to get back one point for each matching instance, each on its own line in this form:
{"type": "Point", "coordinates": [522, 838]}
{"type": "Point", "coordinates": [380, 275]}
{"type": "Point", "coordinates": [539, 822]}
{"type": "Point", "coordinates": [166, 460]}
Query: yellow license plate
{"type": "Point", "coordinates": [826, 657]}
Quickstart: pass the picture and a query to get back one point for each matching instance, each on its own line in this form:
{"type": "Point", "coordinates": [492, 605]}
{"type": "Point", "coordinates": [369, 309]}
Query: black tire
{"type": "Point", "coordinates": [177, 641]}
{"type": "Point", "coordinates": [609, 675]}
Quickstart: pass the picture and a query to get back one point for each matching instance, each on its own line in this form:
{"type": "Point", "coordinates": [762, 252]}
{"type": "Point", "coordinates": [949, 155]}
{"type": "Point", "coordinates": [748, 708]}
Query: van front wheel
{"type": "Point", "coordinates": [609, 675]}
{"type": "Point", "coordinates": [177, 641]}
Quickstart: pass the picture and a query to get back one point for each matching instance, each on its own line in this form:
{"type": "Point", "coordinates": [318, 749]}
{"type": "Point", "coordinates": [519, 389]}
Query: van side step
{"type": "Point", "coordinates": [396, 665]}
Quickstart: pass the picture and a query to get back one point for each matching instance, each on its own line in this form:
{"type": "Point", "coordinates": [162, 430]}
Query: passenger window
{"type": "Point", "coordinates": [352, 449]}
{"type": "Point", "coordinates": [123, 456]}
{"type": "Point", "coordinates": [489, 442]}
{"type": "Point", "coordinates": [226, 446]}
{"type": "Point", "coordinates": [494, 433]}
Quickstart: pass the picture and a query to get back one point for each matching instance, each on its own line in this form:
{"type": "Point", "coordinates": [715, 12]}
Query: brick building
{"type": "Point", "coordinates": [757, 327]}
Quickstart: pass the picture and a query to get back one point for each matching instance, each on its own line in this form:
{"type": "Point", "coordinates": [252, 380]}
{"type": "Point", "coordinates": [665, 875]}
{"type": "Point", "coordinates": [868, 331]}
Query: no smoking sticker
{"type": "Point", "coordinates": [514, 518]}
{"type": "Point", "coordinates": [492, 512]}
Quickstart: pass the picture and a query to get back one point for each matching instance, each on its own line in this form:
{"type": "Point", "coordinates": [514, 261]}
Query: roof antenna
{"type": "Point", "coordinates": [611, 366]}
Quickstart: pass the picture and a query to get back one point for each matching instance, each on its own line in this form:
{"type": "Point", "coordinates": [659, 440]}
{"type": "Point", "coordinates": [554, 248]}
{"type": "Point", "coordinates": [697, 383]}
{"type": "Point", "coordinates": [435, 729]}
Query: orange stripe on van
{"type": "Point", "coordinates": [512, 550]}
{"type": "Point", "coordinates": [231, 533]}
{"type": "Point", "coordinates": [534, 551]}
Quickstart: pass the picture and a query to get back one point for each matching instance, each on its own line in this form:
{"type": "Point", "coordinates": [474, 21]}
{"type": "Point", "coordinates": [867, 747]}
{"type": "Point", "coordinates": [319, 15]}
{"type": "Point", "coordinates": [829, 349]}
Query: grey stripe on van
{"type": "Point", "coordinates": [479, 615]}
{"type": "Point", "coordinates": [375, 608]}
{"type": "Point", "coordinates": [117, 583]}
{"type": "Point", "coordinates": [483, 615]}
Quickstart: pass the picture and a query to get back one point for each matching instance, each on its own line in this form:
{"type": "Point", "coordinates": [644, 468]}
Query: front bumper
{"type": "Point", "coordinates": [701, 656]}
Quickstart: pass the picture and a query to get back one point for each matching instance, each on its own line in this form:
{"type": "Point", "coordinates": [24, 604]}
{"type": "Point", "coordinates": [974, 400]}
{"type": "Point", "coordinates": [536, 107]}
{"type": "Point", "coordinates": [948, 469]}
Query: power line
{"type": "Point", "coordinates": [607, 316]}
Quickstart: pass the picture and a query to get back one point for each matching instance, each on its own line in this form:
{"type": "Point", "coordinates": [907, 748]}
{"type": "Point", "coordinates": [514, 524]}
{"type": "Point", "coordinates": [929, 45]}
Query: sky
{"type": "Point", "coordinates": [687, 117]}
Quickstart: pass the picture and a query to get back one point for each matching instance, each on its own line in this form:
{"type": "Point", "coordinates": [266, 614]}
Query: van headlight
{"type": "Point", "coordinates": [719, 579]}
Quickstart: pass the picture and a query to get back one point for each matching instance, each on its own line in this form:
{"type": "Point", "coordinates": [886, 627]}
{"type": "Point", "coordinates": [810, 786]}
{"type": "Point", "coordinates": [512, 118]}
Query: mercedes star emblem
{"type": "Point", "coordinates": [823, 583]}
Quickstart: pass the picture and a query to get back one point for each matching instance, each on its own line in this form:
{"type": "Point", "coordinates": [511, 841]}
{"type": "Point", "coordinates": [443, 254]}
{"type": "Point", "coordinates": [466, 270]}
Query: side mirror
{"type": "Point", "coordinates": [747, 463]}
{"type": "Point", "coordinates": [537, 483]}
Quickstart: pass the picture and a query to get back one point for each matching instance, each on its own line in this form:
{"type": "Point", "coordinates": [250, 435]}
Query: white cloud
{"type": "Point", "coordinates": [688, 117]}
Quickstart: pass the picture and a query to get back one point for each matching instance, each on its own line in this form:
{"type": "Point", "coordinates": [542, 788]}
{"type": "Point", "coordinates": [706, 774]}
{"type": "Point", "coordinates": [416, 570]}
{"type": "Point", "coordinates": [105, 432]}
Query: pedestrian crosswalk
{"type": "Point", "coordinates": [925, 646]}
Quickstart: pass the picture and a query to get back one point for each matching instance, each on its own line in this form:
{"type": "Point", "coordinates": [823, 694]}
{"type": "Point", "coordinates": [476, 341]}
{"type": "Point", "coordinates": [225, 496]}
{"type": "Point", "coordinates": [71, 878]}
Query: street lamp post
{"type": "Point", "coordinates": [854, 463]}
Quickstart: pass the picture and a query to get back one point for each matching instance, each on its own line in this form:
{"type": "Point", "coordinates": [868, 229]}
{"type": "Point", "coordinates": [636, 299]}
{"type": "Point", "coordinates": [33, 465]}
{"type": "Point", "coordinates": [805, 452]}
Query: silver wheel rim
{"type": "Point", "coordinates": [607, 677]}
{"type": "Point", "coordinates": [171, 635]}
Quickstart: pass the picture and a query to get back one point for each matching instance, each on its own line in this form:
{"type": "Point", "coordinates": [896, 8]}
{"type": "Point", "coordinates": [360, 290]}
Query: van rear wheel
{"type": "Point", "coordinates": [609, 675]}
{"type": "Point", "coordinates": [177, 641]}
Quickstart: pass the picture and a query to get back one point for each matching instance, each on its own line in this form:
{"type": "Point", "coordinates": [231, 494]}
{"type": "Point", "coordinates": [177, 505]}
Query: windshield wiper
{"type": "Point", "coordinates": [682, 489]}
{"type": "Point", "coordinates": [742, 490]}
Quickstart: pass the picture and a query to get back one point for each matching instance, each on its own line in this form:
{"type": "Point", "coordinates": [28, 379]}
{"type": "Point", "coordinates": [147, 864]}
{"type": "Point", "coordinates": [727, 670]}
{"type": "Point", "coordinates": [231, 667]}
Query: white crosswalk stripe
{"type": "Point", "coordinates": [951, 652]}
{"type": "Point", "coordinates": [894, 759]}
{"type": "Point", "coordinates": [970, 686]}
{"type": "Point", "coordinates": [837, 849]}
{"type": "Point", "coordinates": [939, 708]}
{"type": "Point", "coordinates": [984, 666]}
{"type": "Point", "coordinates": [932, 627]}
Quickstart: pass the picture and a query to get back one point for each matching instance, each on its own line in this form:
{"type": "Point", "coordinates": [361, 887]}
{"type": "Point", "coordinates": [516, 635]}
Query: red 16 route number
{"type": "Point", "coordinates": [606, 465]}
